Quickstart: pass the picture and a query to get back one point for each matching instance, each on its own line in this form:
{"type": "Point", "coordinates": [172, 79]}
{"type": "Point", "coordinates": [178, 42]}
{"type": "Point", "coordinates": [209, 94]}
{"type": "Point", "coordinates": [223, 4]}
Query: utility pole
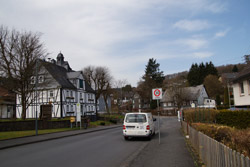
{"type": "Point", "coordinates": [36, 126]}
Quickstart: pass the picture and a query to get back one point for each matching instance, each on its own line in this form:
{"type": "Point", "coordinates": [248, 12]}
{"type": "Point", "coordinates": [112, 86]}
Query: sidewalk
{"type": "Point", "coordinates": [172, 150]}
{"type": "Point", "coordinates": [4, 144]}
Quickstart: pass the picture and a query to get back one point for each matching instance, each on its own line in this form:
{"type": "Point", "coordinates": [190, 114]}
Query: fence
{"type": "Point", "coordinates": [213, 153]}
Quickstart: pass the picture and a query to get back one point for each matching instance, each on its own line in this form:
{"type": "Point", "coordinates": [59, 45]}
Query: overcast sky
{"type": "Point", "coordinates": [123, 34]}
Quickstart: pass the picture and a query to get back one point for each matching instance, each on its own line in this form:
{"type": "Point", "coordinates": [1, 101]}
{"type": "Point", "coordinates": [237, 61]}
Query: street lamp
{"type": "Point", "coordinates": [36, 126]}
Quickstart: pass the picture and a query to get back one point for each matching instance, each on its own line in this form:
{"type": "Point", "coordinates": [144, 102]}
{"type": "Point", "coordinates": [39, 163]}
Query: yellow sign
{"type": "Point", "coordinates": [72, 119]}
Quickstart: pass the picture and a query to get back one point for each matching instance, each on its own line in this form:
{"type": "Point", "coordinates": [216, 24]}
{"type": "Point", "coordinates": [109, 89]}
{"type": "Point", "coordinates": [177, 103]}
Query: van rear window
{"type": "Point", "coordinates": [132, 118]}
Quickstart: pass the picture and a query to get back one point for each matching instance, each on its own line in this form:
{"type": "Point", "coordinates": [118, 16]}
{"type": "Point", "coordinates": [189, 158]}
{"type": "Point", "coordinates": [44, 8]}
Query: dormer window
{"type": "Point", "coordinates": [81, 83]}
{"type": "Point", "coordinates": [33, 80]}
{"type": "Point", "coordinates": [40, 79]}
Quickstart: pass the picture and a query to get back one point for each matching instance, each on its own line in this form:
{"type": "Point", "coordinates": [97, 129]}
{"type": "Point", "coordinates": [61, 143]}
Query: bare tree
{"type": "Point", "coordinates": [100, 80]}
{"type": "Point", "coordinates": [180, 95]}
{"type": "Point", "coordinates": [119, 84]}
{"type": "Point", "coordinates": [19, 52]}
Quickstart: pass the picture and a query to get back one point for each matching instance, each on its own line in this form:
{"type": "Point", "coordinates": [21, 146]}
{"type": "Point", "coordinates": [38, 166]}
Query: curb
{"type": "Point", "coordinates": [58, 137]}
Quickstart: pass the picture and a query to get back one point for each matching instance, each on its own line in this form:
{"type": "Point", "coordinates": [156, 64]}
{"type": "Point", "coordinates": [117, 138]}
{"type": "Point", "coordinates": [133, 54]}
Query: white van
{"type": "Point", "coordinates": [138, 125]}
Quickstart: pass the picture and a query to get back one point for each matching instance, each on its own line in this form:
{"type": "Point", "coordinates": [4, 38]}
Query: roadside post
{"type": "Point", "coordinates": [78, 114]}
{"type": "Point", "coordinates": [157, 95]}
{"type": "Point", "coordinates": [72, 119]}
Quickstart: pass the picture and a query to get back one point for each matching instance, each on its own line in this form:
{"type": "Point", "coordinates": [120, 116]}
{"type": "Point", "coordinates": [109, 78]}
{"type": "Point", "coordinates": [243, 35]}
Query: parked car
{"type": "Point", "coordinates": [138, 125]}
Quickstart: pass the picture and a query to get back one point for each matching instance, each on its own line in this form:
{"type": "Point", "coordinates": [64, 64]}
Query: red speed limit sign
{"type": "Point", "coordinates": [157, 93]}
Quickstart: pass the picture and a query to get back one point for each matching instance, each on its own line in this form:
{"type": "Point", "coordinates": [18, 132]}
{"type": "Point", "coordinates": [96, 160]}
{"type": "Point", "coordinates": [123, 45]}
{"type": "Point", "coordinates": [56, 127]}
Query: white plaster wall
{"type": "Point", "coordinates": [241, 99]}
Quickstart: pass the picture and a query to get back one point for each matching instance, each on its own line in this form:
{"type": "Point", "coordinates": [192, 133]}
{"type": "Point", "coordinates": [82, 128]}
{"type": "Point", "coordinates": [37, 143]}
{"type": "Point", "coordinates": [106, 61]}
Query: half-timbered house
{"type": "Point", "coordinates": [59, 90]}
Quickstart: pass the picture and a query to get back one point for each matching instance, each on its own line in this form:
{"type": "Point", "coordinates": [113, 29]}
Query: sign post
{"type": "Point", "coordinates": [157, 95]}
{"type": "Point", "coordinates": [72, 119]}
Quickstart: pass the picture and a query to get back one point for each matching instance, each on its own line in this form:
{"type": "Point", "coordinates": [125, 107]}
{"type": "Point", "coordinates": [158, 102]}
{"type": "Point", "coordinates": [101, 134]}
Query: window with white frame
{"type": "Point", "coordinates": [67, 108]}
{"type": "Point", "coordinates": [67, 93]}
{"type": "Point", "coordinates": [51, 93]}
{"type": "Point", "coordinates": [72, 108]}
{"type": "Point", "coordinates": [71, 93]}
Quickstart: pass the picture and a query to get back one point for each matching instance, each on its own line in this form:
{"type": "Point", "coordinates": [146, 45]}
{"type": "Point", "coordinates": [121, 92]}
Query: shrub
{"type": "Point", "coordinates": [238, 119]}
{"type": "Point", "coordinates": [237, 139]}
{"type": "Point", "coordinates": [223, 134]}
{"type": "Point", "coordinates": [102, 123]}
{"type": "Point", "coordinates": [200, 115]}
{"type": "Point", "coordinates": [241, 141]}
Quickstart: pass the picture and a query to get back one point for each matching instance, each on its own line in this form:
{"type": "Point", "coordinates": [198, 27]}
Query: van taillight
{"type": "Point", "coordinates": [124, 127]}
{"type": "Point", "coordinates": [148, 127]}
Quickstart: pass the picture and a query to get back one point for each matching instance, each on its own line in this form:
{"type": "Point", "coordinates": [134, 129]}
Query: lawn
{"type": "Point", "coordinates": [16, 134]}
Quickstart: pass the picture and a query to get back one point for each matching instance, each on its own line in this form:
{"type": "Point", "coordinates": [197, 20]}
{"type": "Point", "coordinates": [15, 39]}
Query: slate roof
{"type": "Point", "coordinates": [73, 74]}
{"type": "Point", "coordinates": [62, 76]}
{"type": "Point", "coordinates": [244, 74]}
{"type": "Point", "coordinates": [190, 93]}
{"type": "Point", "coordinates": [194, 92]}
{"type": "Point", "coordinates": [59, 74]}
{"type": "Point", "coordinates": [229, 76]}
{"type": "Point", "coordinates": [88, 88]}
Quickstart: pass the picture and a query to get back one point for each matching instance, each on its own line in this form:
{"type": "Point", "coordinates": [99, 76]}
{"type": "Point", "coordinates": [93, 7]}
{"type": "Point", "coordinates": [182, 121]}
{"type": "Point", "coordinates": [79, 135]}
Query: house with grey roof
{"type": "Point", "coordinates": [185, 97]}
{"type": "Point", "coordinates": [60, 90]}
{"type": "Point", "coordinates": [241, 89]}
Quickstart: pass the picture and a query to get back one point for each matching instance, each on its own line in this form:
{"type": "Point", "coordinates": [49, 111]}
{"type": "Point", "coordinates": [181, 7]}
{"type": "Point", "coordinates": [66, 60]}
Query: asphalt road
{"type": "Point", "coordinates": [104, 148]}
{"type": "Point", "coordinates": [172, 150]}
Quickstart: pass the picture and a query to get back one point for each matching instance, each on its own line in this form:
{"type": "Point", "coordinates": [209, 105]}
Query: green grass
{"type": "Point", "coordinates": [16, 134]}
{"type": "Point", "coordinates": [114, 116]}
{"type": "Point", "coordinates": [98, 123]}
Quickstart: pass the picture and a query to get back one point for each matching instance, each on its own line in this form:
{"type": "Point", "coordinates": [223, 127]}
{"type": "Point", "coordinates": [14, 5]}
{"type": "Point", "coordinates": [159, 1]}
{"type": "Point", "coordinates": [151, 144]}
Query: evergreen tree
{"type": "Point", "coordinates": [235, 69]}
{"type": "Point", "coordinates": [202, 73]}
{"type": "Point", "coordinates": [198, 73]}
{"type": "Point", "coordinates": [193, 75]}
{"type": "Point", "coordinates": [211, 69]}
{"type": "Point", "coordinates": [152, 78]}
{"type": "Point", "coordinates": [153, 73]}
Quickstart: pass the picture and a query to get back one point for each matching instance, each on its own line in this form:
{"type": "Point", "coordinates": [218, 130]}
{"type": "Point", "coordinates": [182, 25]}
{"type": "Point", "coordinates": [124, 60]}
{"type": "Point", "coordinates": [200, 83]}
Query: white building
{"type": "Point", "coordinates": [241, 88]}
{"type": "Point", "coordinates": [59, 90]}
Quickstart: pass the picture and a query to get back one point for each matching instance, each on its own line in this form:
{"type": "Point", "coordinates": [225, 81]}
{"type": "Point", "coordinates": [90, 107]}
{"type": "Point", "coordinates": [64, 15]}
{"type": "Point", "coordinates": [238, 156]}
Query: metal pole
{"type": "Point", "coordinates": [159, 122]}
{"type": "Point", "coordinates": [36, 99]}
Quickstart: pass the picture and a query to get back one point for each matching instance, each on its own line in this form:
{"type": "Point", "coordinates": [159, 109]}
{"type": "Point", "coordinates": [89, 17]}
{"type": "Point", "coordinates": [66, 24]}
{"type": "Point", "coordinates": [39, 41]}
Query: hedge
{"type": "Point", "coordinates": [237, 119]}
{"type": "Point", "coordinates": [200, 115]}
